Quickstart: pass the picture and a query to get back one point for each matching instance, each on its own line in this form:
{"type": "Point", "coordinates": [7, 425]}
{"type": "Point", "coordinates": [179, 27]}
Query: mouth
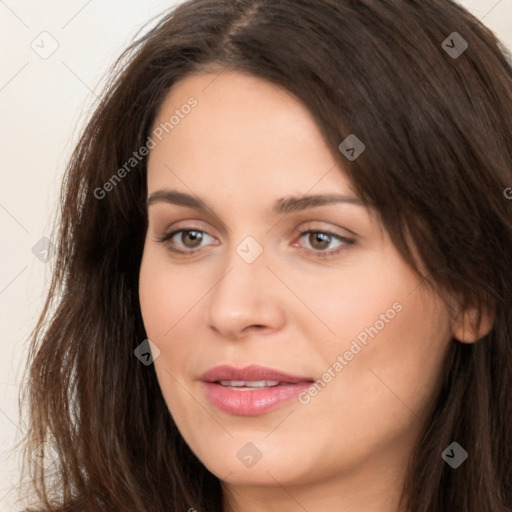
{"type": "Point", "coordinates": [252, 390]}
{"type": "Point", "coordinates": [243, 385]}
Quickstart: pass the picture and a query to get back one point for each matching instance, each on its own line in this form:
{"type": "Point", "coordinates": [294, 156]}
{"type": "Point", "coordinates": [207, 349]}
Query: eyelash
{"type": "Point", "coordinates": [319, 254]}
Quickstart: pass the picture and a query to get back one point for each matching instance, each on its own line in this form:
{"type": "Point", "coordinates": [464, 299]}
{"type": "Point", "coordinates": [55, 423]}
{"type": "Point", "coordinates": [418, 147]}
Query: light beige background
{"type": "Point", "coordinates": [43, 104]}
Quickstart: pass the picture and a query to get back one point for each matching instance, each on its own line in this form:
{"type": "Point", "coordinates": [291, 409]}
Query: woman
{"type": "Point", "coordinates": [282, 278]}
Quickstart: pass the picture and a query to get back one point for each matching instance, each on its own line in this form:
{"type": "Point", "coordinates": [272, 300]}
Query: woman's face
{"type": "Point", "coordinates": [262, 275]}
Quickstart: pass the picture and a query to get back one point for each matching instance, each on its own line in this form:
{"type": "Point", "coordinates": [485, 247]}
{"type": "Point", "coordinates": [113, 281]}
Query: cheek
{"type": "Point", "coordinates": [166, 303]}
{"type": "Point", "coordinates": [392, 336]}
{"type": "Point", "coordinates": [154, 296]}
{"type": "Point", "coordinates": [416, 344]}
{"type": "Point", "coordinates": [352, 300]}
{"type": "Point", "coordinates": [391, 369]}
{"type": "Point", "coordinates": [165, 297]}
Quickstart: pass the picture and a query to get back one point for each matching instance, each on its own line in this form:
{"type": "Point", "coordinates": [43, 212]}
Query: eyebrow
{"type": "Point", "coordinates": [282, 206]}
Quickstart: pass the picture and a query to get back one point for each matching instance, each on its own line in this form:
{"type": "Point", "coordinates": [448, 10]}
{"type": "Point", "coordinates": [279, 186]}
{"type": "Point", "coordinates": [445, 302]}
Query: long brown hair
{"type": "Point", "coordinates": [436, 120]}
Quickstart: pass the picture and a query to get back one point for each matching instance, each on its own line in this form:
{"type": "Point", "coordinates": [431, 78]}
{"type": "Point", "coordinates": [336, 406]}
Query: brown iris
{"type": "Point", "coordinates": [319, 240]}
{"type": "Point", "coordinates": [192, 236]}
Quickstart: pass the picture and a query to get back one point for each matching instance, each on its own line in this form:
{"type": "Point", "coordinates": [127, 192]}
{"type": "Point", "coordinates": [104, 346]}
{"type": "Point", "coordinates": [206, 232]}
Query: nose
{"type": "Point", "coordinates": [246, 298]}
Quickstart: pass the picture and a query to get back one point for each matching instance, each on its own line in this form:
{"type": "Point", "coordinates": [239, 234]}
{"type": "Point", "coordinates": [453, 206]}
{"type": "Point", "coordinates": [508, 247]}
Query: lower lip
{"type": "Point", "coordinates": [252, 402]}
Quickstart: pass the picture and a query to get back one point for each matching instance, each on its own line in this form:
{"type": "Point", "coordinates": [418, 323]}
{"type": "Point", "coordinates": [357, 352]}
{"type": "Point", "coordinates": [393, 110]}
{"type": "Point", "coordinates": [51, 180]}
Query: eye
{"type": "Point", "coordinates": [321, 242]}
{"type": "Point", "coordinates": [187, 240]}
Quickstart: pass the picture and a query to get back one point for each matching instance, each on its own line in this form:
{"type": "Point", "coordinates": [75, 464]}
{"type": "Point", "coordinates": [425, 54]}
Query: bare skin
{"type": "Point", "coordinates": [244, 146]}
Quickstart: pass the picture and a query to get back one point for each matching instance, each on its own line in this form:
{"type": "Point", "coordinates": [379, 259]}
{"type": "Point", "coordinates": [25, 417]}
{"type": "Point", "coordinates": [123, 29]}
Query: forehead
{"type": "Point", "coordinates": [242, 131]}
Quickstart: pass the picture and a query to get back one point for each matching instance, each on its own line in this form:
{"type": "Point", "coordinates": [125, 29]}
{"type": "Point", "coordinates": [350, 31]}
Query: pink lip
{"type": "Point", "coordinates": [256, 401]}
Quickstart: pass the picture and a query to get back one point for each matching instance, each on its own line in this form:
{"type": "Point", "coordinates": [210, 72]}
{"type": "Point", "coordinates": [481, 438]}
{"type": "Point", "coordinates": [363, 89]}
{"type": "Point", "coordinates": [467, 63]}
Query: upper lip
{"type": "Point", "coordinates": [252, 372]}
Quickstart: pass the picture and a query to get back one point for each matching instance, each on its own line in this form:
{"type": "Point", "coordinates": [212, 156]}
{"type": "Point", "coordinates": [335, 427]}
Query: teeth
{"type": "Point", "coordinates": [250, 383]}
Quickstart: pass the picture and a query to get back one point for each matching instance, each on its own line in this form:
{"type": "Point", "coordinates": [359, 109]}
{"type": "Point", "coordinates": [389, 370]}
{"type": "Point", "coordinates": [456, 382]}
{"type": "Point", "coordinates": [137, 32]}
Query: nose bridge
{"type": "Point", "coordinates": [244, 295]}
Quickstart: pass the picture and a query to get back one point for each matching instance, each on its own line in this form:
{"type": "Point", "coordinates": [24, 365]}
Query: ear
{"type": "Point", "coordinates": [473, 323]}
